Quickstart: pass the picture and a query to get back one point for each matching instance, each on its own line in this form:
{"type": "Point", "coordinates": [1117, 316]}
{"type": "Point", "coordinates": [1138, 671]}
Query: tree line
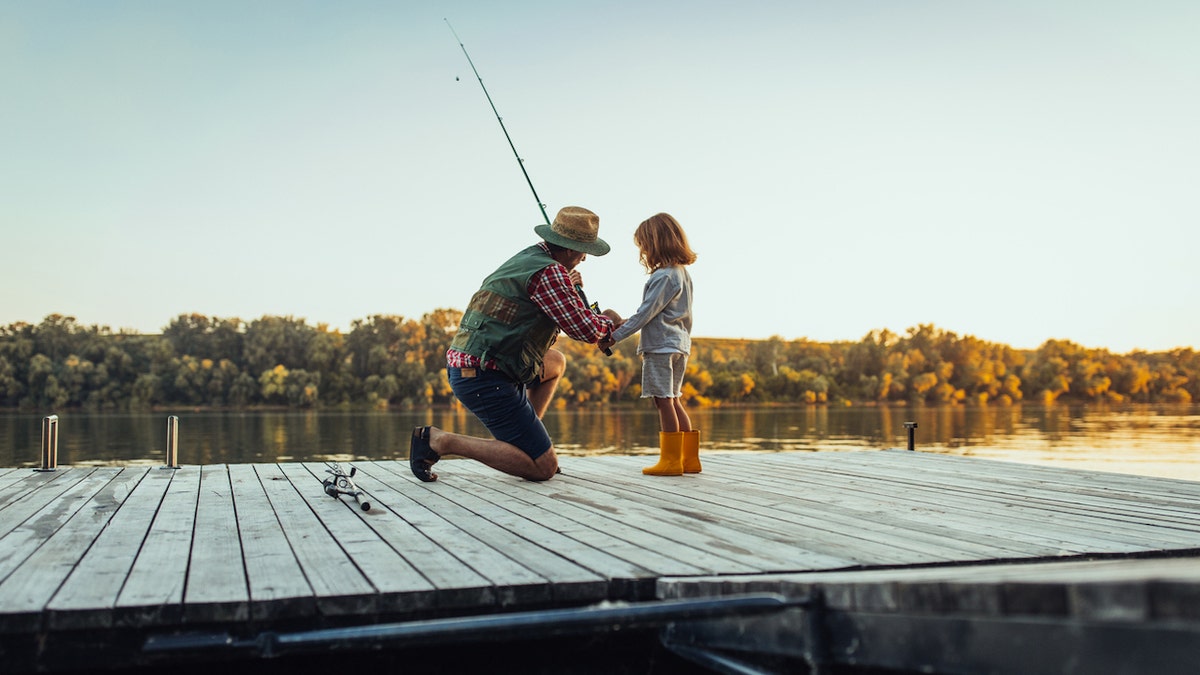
{"type": "Point", "coordinates": [387, 360]}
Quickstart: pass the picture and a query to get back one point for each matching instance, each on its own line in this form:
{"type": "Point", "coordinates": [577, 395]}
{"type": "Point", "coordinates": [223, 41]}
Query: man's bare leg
{"type": "Point", "coordinates": [553, 366]}
{"type": "Point", "coordinates": [499, 455]}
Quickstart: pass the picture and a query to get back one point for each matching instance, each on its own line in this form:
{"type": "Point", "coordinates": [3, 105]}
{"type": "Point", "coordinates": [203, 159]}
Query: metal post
{"type": "Point", "coordinates": [172, 443]}
{"type": "Point", "coordinates": [912, 434]}
{"type": "Point", "coordinates": [49, 443]}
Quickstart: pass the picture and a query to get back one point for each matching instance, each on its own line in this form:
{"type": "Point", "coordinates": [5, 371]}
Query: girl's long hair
{"type": "Point", "coordinates": [662, 243]}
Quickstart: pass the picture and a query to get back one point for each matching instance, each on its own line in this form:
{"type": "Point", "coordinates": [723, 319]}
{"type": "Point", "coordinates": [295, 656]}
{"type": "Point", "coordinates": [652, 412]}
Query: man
{"type": "Point", "coordinates": [500, 363]}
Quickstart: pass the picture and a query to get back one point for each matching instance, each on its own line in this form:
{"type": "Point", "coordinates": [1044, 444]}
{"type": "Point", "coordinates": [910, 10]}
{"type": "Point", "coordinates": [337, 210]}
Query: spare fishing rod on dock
{"type": "Point", "coordinates": [595, 307]}
{"type": "Point", "coordinates": [342, 483]}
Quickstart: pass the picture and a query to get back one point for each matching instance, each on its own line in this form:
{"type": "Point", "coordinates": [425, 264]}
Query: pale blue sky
{"type": "Point", "coordinates": [1013, 170]}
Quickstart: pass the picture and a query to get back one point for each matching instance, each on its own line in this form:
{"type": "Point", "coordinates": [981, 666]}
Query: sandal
{"type": "Point", "coordinates": [421, 457]}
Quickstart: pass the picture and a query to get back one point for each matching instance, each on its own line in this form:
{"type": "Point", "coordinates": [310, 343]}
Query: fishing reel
{"type": "Point", "coordinates": [342, 483]}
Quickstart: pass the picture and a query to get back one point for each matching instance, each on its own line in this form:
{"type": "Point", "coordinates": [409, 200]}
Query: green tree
{"type": "Point", "coordinates": [1049, 376]}
{"type": "Point", "coordinates": [277, 341]}
{"type": "Point", "coordinates": [55, 337]}
{"type": "Point", "coordinates": [273, 384]}
{"type": "Point", "coordinates": [389, 359]}
{"type": "Point", "coordinates": [303, 389]}
{"type": "Point", "coordinates": [147, 391]}
{"type": "Point", "coordinates": [1089, 379]}
{"type": "Point", "coordinates": [865, 364]}
{"type": "Point", "coordinates": [1167, 384]}
{"type": "Point", "coordinates": [45, 392]}
{"type": "Point", "coordinates": [328, 358]}
{"type": "Point", "coordinates": [243, 391]}
{"type": "Point", "coordinates": [11, 387]}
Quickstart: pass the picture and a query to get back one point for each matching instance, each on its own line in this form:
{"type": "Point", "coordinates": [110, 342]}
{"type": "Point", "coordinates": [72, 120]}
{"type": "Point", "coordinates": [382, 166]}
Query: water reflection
{"type": "Point", "coordinates": [1158, 440]}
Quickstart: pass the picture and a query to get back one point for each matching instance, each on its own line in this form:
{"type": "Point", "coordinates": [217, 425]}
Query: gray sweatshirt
{"type": "Point", "coordinates": [665, 317]}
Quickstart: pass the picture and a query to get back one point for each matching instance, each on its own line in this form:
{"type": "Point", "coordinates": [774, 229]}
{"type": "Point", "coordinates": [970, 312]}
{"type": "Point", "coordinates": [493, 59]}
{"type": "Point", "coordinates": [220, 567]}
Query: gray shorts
{"type": "Point", "coordinates": [662, 375]}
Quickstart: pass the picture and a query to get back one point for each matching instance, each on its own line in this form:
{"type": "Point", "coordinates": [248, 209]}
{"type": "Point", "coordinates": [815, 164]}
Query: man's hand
{"type": "Point", "coordinates": [605, 344]}
{"type": "Point", "coordinates": [576, 278]}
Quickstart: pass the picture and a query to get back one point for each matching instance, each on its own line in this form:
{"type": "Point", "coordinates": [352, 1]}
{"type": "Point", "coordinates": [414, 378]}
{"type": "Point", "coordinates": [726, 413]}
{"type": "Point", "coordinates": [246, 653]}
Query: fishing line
{"type": "Point", "coordinates": [520, 162]}
{"type": "Point", "coordinates": [595, 307]}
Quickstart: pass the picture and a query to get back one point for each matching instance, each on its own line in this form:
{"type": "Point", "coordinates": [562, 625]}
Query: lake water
{"type": "Point", "coordinates": [1146, 440]}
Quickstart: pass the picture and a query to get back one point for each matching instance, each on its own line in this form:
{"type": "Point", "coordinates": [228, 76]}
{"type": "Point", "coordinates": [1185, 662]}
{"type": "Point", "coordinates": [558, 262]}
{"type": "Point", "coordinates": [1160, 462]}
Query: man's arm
{"type": "Point", "coordinates": [552, 291]}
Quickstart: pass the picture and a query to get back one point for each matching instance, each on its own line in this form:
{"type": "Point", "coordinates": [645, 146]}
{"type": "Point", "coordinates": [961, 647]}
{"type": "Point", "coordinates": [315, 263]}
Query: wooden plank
{"type": "Point", "coordinates": [275, 549]}
{"type": "Point", "coordinates": [468, 538]}
{"type": "Point", "coordinates": [816, 506]}
{"type": "Point", "coordinates": [744, 503]}
{"type": "Point", "coordinates": [797, 473]}
{"type": "Point", "coordinates": [15, 484]}
{"type": "Point", "coordinates": [1133, 494]}
{"type": "Point", "coordinates": [722, 530]}
{"type": "Point", "coordinates": [598, 532]}
{"type": "Point", "coordinates": [895, 524]}
{"type": "Point", "coordinates": [640, 544]}
{"type": "Point", "coordinates": [88, 596]}
{"type": "Point", "coordinates": [457, 584]}
{"type": "Point", "coordinates": [969, 493]}
{"type": "Point", "coordinates": [983, 479]}
{"type": "Point", "coordinates": [1104, 517]}
{"type": "Point", "coordinates": [753, 536]}
{"type": "Point", "coordinates": [813, 514]}
{"type": "Point", "coordinates": [276, 583]}
{"type": "Point", "coordinates": [153, 591]}
{"type": "Point", "coordinates": [45, 488]}
{"type": "Point", "coordinates": [32, 530]}
{"type": "Point", "coordinates": [701, 495]}
{"type": "Point", "coordinates": [930, 509]}
{"type": "Point", "coordinates": [400, 587]}
{"type": "Point", "coordinates": [216, 588]}
{"type": "Point", "coordinates": [580, 573]}
{"type": "Point", "coordinates": [27, 590]}
{"type": "Point", "coordinates": [339, 588]}
{"type": "Point", "coordinates": [1138, 496]}
{"type": "Point", "coordinates": [1154, 487]}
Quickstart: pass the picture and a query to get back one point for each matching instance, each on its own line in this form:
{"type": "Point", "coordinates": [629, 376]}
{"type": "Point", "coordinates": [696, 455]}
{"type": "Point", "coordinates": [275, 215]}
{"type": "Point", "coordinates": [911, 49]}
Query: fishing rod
{"type": "Point", "coordinates": [595, 307]}
{"type": "Point", "coordinates": [342, 483]}
{"type": "Point", "coordinates": [520, 162]}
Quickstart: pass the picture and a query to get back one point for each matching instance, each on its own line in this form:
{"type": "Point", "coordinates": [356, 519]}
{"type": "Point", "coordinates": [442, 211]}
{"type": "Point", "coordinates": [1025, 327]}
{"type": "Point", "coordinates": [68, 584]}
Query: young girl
{"type": "Point", "coordinates": [665, 320]}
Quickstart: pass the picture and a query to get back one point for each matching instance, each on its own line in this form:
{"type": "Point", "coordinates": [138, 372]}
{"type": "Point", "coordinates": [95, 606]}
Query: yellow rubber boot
{"type": "Point", "coordinates": [691, 451]}
{"type": "Point", "coordinates": [670, 455]}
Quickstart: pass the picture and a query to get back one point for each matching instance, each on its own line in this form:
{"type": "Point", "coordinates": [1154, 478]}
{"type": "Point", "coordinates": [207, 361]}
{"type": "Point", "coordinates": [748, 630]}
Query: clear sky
{"type": "Point", "coordinates": [1016, 170]}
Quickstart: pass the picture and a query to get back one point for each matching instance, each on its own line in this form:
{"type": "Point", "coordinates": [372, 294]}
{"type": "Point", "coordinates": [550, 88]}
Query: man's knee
{"type": "Point", "coordinates": [545, 467]}
{"type": "Point", "coordinates": [553, 365]}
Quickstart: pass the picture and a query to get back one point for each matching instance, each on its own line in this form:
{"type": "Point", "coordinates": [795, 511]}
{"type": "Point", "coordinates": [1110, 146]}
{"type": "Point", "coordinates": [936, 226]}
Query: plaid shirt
{"type": "Point", "coordinates": [552, 291]}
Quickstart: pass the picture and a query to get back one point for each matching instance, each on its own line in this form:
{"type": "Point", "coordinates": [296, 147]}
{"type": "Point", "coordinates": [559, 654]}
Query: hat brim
{"type": "Point", "coordinates": [598, 247]}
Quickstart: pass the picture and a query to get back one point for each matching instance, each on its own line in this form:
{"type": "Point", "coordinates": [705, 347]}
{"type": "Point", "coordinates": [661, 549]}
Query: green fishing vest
{"type": "Point", "coordinates": [502, 323]}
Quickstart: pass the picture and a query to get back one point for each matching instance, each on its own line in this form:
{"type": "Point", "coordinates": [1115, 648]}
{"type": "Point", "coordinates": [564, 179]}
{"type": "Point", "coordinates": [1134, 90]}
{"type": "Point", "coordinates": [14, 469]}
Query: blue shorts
{"type": "Point", "coordinates": [503, 407]}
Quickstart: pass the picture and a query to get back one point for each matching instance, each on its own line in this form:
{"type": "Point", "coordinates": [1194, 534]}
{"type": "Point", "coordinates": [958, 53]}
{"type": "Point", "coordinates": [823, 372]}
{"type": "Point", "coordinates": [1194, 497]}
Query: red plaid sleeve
{"type": "Point", "coordinates": [552, 291]}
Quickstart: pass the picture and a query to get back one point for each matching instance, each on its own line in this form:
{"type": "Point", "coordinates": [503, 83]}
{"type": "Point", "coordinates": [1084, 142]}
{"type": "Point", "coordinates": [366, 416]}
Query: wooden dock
{"type": "Point", "coordinates": [109, 558]}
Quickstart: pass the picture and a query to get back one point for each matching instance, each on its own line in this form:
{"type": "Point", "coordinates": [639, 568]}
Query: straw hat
{"type": "Point", "coordinates": [575, 228]}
